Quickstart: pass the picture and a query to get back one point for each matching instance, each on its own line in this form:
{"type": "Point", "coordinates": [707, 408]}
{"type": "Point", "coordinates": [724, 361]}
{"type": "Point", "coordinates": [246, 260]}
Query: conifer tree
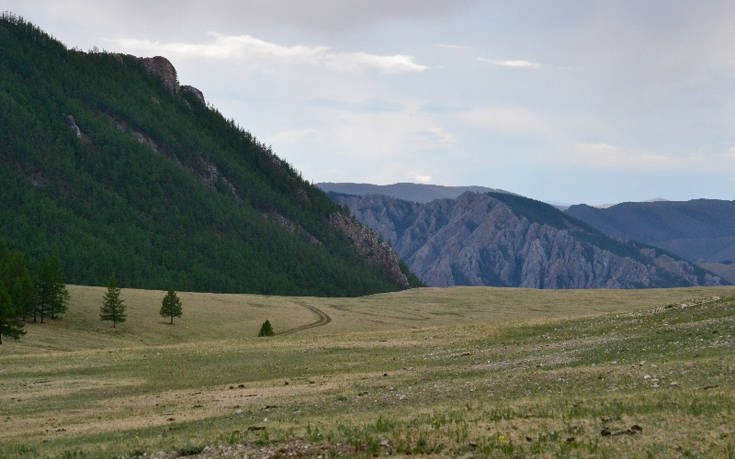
{"type": "Point", "coordinates": [266, 329]}
{"type": "Point", "coordinates": [171, 306]}
{"type": "Point", "coordinates": [113, 307]}
{"type": "Point", "coordinates": [51, 294]}
{"type": "Point", "coordinates": [19, 284]}
{"type": "Point", "coordinates": [11, 321]}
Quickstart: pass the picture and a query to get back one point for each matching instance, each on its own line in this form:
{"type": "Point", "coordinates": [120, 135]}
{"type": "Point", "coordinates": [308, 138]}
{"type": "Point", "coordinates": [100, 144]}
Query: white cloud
{"type": "Point", "coordinates": [437, 134]}
{"type": "Point", "coordinates": [451, 46]}
{"type": "Point", "coordinates": [731, 149]}
{"type": "Point", "coordinates": [603, 155]}
{"type": "Point", "coordinates": [514, 63]}
{"type": "Point", "coordinates": [385, 135]}
{"type": "Point", "coordinates": [506, 120]}
{"type": "Point", "coordinates": [422, 178]}
{"type": "Point", "coordinates": [247, 47]}
{"type": "Point", "coordinates": [293, 136]}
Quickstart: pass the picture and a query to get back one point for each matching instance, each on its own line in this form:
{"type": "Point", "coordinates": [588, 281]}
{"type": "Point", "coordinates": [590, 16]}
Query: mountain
{"type": "Point", "coordinates": [702, 230]}
{"type": "Point", "coordinates": [508, 240]}
{"type": "Point", "coordinates": [109, 164]}
{"type": "Point", "coordinates": [414, 192]}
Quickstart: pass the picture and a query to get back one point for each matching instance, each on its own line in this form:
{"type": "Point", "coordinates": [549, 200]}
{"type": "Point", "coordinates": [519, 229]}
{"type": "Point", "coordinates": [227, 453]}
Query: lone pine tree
{"type": "Point", "coordinates": [266, 329]}
{"type": "Point", "coordinates": [15, 279]}
{"type": "Point", "coordinates": [171, 306]}
{"type": "Point", "coordinates": [53, 297]}
{"type": "Point", "coordinates": [113, 307]}
{"type": "Point", "coordinates": [11, 321]}
{"type": "Point", "coordinates": [19, 284]}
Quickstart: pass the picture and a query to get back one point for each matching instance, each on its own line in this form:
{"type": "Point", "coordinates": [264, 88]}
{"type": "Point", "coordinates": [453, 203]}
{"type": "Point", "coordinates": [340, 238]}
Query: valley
{"type": "Point", "coordinates": [306, 319]}
{"type": "Point", "coordinates": [427, 371]}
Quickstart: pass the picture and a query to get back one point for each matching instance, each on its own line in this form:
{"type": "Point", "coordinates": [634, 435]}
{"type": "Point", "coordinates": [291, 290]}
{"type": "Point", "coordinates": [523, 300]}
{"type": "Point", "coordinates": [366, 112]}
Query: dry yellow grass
{"type": "Point", "coordinates": [210, 317]}
{"type": "Point", "coordinates": [427, 371]}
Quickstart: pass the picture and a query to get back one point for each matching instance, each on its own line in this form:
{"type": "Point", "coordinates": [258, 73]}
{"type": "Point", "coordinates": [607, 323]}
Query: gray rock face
{"type": "Point", "coordinates": [163, 68]}
{"type": "Point", "coordinates": [369, 245]}
{"type": "Point", "coordinates": [186, 89]}
{"type": "Point", "coordinates": [480, 240]}
{"type": "Point", "coordinates": [72, 123]}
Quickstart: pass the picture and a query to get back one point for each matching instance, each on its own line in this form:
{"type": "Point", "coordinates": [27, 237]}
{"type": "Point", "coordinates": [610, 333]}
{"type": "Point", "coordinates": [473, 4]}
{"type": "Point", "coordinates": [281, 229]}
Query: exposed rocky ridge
{"type": "Point", "coordinates": [162, 67]}
{"type": "Point", "coordinates": [292, 227]}
{"type": "Point", "coordinates": [139, 136]}
{"type": "Point", "coordinates": [368, 244]}
{"type": "Point", "coordinates": [186, 89]}
{"type": "Point", "coordinates": [72, 123]}
{"type": "Point", "coordinates": [478, 239]}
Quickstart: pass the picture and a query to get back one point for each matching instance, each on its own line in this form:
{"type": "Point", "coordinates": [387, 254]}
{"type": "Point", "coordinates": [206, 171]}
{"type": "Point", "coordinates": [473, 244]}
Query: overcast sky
{"type": "Point", "coordinates": [570, 101]}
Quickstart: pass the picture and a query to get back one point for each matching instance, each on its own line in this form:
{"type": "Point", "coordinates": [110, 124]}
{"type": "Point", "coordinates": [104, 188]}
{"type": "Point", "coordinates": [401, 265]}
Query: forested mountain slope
{"type": "Point", "coordinates": [508, 240]}
{"type": "Point", "coordinates": [110, 165]}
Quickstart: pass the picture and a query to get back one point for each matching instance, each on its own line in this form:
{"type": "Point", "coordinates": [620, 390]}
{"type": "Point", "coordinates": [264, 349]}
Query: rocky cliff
{"type": "Point", "coordinates": [368, 244]}
{"type": "Point", "coordinates": [505, 240]}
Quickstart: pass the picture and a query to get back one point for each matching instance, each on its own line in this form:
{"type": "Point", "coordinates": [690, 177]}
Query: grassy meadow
{"type": "Point", "coordinates": [447, 372]}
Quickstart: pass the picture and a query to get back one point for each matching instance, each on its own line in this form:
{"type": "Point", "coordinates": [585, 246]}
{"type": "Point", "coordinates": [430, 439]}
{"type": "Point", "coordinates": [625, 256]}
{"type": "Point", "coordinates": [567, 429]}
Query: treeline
{"type": "Point", "coordinates": [196, 206]}
{"type": "Point", "coordinates": [29, 295]}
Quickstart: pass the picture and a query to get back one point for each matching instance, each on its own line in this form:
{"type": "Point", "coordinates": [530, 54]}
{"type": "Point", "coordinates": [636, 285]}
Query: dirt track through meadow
{"type": "Point", "coordinates": [324, 319]}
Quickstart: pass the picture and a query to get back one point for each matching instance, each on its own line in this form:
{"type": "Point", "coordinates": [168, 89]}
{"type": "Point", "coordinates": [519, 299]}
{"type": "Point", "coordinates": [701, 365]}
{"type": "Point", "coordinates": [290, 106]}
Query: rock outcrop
{"type": "Point", "coordinates": [164, 69]}
{"type": "Point", "coordinates": [72, 123]}
{"type": "Point", "coordinates": [369, 245]}
{"type": "Point", "coordinates": [479, 239]}
{"type": "Point", "coordinates": [186, 89]}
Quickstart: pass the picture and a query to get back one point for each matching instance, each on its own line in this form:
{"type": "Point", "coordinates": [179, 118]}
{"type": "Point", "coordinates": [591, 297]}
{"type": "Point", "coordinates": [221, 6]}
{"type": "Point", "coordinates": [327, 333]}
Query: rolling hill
{"type": "Point", "coordinates": [108, 163]}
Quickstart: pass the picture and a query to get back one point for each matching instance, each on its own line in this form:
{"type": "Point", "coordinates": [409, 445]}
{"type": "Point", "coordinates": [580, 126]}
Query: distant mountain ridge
{"type": "Point", "coordinates": [701, 230]}
{"type": "Point", "coordinates": [502, 239]}
{"type": "Point", "coordinates": [109, 164]}
{"type": "Point", "coordinates": [414, 192]}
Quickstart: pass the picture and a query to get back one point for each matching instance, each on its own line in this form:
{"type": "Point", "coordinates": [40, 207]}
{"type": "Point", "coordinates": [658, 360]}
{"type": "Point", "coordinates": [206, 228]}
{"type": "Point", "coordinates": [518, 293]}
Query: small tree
{"type": "Point", "coordinates": [113, 307]}
{"type": "Point", "coordinates": [11, 320]}
{"type": "Point", "coordinates": [19, 285]}
{"type": "Point", "coordinates": [171, 306]}
{"type": "Point", "coordinates": [266, 329]}
{"type": "Point", "coordinates": [51, 294]}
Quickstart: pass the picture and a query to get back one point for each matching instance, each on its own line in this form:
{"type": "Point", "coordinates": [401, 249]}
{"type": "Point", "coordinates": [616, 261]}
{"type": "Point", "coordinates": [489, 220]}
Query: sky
{"type": "Point", "coordinates": [567, 101]}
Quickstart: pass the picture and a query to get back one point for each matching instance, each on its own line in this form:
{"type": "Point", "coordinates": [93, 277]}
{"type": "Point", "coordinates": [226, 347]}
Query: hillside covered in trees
{"type": "Point", "coordinates": [109, 165]}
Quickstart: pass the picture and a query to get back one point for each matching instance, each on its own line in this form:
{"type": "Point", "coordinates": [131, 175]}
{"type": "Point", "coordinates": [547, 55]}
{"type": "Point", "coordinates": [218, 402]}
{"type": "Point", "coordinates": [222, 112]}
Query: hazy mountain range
{"type": "Point", "coordinates": [503, 239]}
{"type": "Point", "coordinates": [701, 230]}
{"type": "Point", "coordinates": [414, 192]}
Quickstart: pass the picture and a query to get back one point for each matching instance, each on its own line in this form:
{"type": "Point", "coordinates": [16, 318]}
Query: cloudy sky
{"type": "Point", "coordinates": [570, 101]}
